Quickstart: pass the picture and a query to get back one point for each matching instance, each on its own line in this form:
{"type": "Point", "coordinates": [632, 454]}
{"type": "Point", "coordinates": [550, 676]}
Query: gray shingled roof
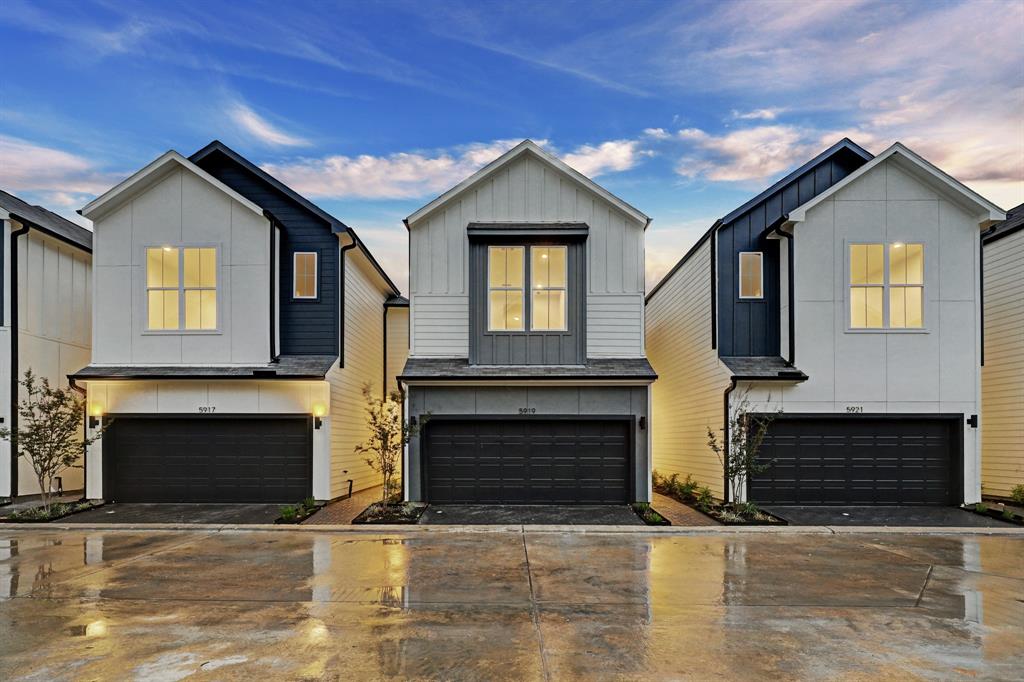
{"type": "Point", "coordinates": [47, 221]}
{"type": "Point", "coordinates": [768, 367]}
{"type": "Point", "coordinates": [1014, 221]}
{"type": "Point", "coordinates": [459, 368]}
{"type": "Point", "coordinates": [287, 367]}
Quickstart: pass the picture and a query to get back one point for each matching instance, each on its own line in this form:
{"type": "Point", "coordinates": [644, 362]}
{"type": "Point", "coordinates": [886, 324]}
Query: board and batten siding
{"type": "Point", "coordinates": [526, 190]}
{"type": "Point", "coordinates": [1002, 377]}
{"type": "Point", "coordinates": [687, 397]}
{"type": "Point", "coordinates": [363, 364]}
{"type": "Point", "coordinates": [397, 349]}
{"type": "Point", "coordinates": [54, 326]}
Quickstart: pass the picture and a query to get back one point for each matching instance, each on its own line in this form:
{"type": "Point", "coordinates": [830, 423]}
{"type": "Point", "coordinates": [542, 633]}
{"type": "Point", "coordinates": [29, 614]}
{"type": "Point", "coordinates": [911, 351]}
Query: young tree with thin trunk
{"type": "Point", "coordinates": [740, 454]}
{"type": "Point", "coordinates": [389, 435]}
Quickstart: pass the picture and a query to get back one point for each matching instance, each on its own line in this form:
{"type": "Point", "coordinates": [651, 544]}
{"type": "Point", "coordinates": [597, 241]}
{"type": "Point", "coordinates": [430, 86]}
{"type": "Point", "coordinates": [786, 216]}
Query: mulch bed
{"type": "Point", "coordinates": [649, 514]}
{"type": "Point", "coordinates": [400, 512]}
{"type": "Point", "coordinates": [58, 510]}
{"type": "Point", "coordinates": [998, 510]}
{"type": "Point", "coordinates": [299, 513]}
{"type": "Point", "coordinates": [699, 498]}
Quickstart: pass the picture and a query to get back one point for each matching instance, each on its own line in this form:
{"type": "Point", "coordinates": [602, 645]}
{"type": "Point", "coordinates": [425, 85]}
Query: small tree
{"type": "Point", "coordinates": [389, 435]}
{"type": "Point", "coordinates": [746, 432]}
{"type": "Point", "coordinates": [49, 431]}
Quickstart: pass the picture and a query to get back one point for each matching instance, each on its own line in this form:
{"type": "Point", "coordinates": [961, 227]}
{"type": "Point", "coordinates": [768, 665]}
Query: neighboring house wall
{"type": "Point", "coordinates": [526, 190]}
{"type": "Point", "coordinates": [687, 398]}
{"type": "Point", "coordinates": [363, 365]}
{"type": "Point", "coordinates": [1002, 423]}
{"type": "Point", "coordinates": [933, 370]}
{"type": "Point", "coordinates": [397, 345]}
{"type": "Point", "coordinates": [182, 209]}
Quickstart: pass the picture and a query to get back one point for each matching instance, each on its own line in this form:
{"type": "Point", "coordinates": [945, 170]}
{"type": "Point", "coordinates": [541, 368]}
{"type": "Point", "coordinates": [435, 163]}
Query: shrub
{"type": "Point", "coordinates": [289, 513]}
{"type": "Point", "coordinates": [705, 500]}
{"type": "Point", "coordinates": [688, 487]}
{"type": "Point", "coordinates": [309, 503]}
{"type": "Point", "coordinates": [981, 507]}
{"type": "Point", "coordinates": [1008, 514]}
{"type": "Point", "coordinates": [1017, 494]}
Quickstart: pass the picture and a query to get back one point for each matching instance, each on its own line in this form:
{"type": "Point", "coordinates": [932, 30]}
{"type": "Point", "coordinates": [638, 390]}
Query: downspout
{"type": "Point", "coordinates": [384, 355]}
{"type": "Point", "coordinates": [15, 369]}
{"type": "Point", "coordinates": [725, 439]}
{"type": "Point", "coordinates": [273, 283]}
{"type": "Point", "coordinates": [341, 298]}
{"type": "Point", "coordinates": [981, 284]}
{"type": "Point", "coordinates": [85, 434]}
{"type": "Point", "coordinates": [776, 228]}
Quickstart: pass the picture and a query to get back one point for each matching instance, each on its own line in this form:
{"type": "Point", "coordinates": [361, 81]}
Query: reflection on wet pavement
{"type": "Point", "coordinates": [489, 605]}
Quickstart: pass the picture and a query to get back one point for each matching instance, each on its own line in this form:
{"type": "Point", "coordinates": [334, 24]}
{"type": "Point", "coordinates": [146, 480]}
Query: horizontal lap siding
{"type": "Point", "coordinates": [364, 364]}
{"type": "Point", "coordinates": [687, 397]}
{"type": "Point", "coordinates": [397, 345]}
{"type": "Point", "coordinates": [615, 325]}
{"type": "Point", "coordinates": [526, 190]}
{"type": "Point", "coordinates": [1002, 396]}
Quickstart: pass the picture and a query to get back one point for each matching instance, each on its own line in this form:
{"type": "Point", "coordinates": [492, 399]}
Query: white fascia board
{"type": "Point", "coordinates": [144, 178]}
{"type": "Point", "coordinates": [908, 160]}
{"type": "Point", "coordinates": [514, 153]}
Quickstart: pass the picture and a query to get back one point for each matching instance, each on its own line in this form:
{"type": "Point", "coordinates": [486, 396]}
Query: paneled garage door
{"type": "Point", "coordinates": [527, 461]}
{"type": "Point", "coordinates": [869, 460]}
{"type": "Point", "coordinates": [208, 459]}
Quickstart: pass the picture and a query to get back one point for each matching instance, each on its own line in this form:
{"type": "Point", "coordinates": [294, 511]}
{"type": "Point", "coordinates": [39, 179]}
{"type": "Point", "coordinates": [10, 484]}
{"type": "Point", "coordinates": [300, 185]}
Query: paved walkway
{"type": "Point", "coordinates": [680, 514]}
{"type": "Point", "coordinates": [344, 510]}
{"type": "Point", "coordinates": [302, 604]}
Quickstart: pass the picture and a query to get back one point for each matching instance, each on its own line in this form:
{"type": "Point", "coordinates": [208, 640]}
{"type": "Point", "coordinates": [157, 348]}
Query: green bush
{"type": "Point", "coordinates": [1008, 514]}
{"type": "Point", "coordinates": [309, 503]}
{"type": "Point", "coordinates": [1017, 494]}
{"type": "Point", "coordinates": [705, 500]}
{"type": "Point", "coordinates": [688, 487]}
{"type": "Point", "coordinates": [289, 513]}
{"type": "Point", "coordinates": [981, 507]}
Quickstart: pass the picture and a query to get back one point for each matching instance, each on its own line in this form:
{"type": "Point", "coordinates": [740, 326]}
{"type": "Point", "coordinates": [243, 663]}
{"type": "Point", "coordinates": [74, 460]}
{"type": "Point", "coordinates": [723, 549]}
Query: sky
{"type": "Point", "coordinates": [683, 109]}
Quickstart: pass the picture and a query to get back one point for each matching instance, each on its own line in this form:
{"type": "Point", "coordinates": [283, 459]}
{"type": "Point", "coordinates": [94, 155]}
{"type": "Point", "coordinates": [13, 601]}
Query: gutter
{"type": "Point", "coordinates": [15, 369]}
{"type": "Point", "coordinates": [725, 439]}
{"type": "Point", "coordinates": [274, 284]}
{"type": "Point", "coordinates": [341, 296]}
{"type": "Point", "coordinates": [85, 434]}
{"type": "Point", "coordinates": [776, 228]}
{"type": "Point", "coordinates": [384, 353]}
{"type": "Point", "coordinates": [981, 284]}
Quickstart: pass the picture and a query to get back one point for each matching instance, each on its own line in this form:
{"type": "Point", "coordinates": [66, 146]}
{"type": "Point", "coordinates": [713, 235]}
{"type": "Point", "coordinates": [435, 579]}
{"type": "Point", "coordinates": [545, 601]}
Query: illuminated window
{"type": "Point", "coordinates": [548, 287]}
{"type": "Point", "coordinates": [751, 279]}
{"type": "Point", "coordinates": [886, 286]}
{"type": "Point", "coordinates": [505, 288]}
{"type": "Point", "coordinates": [305, 275]}
{"type": "Point", "coordinates": [181, 286]}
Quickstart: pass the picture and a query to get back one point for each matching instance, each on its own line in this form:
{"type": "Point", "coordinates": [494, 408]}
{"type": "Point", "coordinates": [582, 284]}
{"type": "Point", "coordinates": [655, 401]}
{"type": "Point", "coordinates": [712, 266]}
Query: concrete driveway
{"type": "Point", "coordinates": [893, 517]}
{"type": "Point", "coordinates": [432, 603]}
{"type": "Point", "coordinates": [530, 514]}
{"type": "Point", "coordinates": [165, 512]}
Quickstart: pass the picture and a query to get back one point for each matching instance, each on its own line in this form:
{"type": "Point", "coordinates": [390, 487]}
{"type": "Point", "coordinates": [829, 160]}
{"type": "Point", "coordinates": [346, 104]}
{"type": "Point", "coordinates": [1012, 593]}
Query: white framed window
{"type": "Point", "coordinates": [304, 274]}
{"type": "Point", "coordinates": [751, 274]}
{"type": "Point", "coordinates": [548, 287]}
{"type": "Point", "coordinates": [505, 295]}
{"type": "Point", "coordinates": [181, 288]}
{"type": "Point", "coordinates": [886, 286]}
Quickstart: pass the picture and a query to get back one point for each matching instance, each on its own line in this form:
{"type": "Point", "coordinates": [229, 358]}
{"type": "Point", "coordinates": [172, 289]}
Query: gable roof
{"type": "Point", "coordinates": [46, 221]}
{"type": "Point", "coordinates": [987, 212]}
{"type": "Point", "coordinates": [1014, 223]}
{"type": "Point", "coordinates": [530, 147]}
{"type": "Point", "coordinates": [845, 146]}
{"type": "Point", "coordinates": [337, 226]}
{"type": "Point", "coordinates": [152, 173]}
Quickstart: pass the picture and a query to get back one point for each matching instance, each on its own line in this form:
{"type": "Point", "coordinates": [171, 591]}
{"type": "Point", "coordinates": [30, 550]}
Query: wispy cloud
{"type": "Point", "coordinates": [607, 157]}
{"type": "Point", "coordinates": [28, 167]}
{"type": "Point", "coordinates": [743, 155]}
{"type": "Point", "coordinates": [769, 114]}
{"type": "Point", "coordinates": [262, 129]}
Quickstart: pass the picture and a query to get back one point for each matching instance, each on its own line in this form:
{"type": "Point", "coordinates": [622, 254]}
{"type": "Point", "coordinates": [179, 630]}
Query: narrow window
{"type": "Point", "coordinates": [548, 287]}
{"type": "Point", "coordinates": [181, 286]}
{"type": "Point", "coordinates": [305, 275]}
{"type": "Point", "coordinates": [200, 288]}
{"type": "Point", "coordinates": [162, 287]}
{"type": "Point", "coordinates": [906, 286]}
{"type": "Point", "coordinates": [505, 288]}
{"type": "Point", "coordinates": [751, 280]}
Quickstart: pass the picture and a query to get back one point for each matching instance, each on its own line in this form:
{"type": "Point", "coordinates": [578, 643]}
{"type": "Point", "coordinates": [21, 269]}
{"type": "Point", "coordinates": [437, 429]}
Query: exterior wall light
{"type": "Point", "coordinates": [95, 412]}
{"type": "Point", "coordinates": [319, 411]}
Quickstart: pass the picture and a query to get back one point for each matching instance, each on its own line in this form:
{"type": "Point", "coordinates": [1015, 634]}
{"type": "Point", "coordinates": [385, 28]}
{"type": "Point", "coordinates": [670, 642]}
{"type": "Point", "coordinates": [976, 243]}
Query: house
{"type": "Point", "coordinates": [235, 325]}
{"type": "Point", "coordinates": [1002, 376]}
{"type": "Point", "coordinates": [526, 375]}
{"type": "Point", "coordinates": [846, 299]}
{"type": "Point", "coordinates": [45, 301]}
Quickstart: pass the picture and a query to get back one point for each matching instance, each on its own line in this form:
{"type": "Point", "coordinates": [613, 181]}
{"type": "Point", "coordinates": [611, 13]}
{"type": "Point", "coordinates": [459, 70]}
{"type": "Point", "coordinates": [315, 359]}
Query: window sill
{"type": "Point", "coordinates": [182, 332]}
{"type": "Point", "coordinates": [924, 330]}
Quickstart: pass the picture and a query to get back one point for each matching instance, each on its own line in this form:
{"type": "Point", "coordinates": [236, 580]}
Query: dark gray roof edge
{"type": "Point", "coordinates": [335, 224]}
{"type": "Point", "coordinates": [37, 217]}
{"type": "Point", "coordinates": [513, 377]}
{"type": "Point", "coordinates": [287, 367]}
{"type": "Point", "coordinates": [1014, 223]}
{"type": "Point", "coordinates": [396, 301]}
{"type": "Point", "coordinates": [845, 143]}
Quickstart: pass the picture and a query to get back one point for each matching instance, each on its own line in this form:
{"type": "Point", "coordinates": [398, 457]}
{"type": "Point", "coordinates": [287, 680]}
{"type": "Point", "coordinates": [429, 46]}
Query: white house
{"type": "Point", "coordinates": [526, 369]}
{"type": "Point", "coordinates": [845, 298]}
{"type": "Point", "coordinates": [46, 301]}
{"type": "Point", "coordinates": [235, 324]}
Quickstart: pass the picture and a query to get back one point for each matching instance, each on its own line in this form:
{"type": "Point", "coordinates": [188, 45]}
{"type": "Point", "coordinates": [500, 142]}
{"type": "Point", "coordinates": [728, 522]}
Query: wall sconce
{"type": "Point", "coordinates": [412, 420]}
{"type": "Point", "coordinates": [95, 412]}
{"type": "Point", "coordinates": [319, 411]}
{"type": "Point", "coordinates": [643, 423]}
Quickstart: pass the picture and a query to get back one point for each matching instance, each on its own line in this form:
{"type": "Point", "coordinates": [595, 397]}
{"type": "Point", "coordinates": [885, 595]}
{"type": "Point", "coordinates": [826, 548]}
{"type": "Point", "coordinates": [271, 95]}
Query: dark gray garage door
{"type": "Point", "coordinates": [527, 461]}
{"type": "Point", "coordinates": [208, 459]}
{"type": "Point", "coordinates": [854, 460]}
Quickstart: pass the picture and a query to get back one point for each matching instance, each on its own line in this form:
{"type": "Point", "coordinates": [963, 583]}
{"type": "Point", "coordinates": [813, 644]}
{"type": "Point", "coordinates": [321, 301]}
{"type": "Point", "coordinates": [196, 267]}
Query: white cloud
{"type": "Point", "coordinates": [769, 114]}
{"type": "Point", "coordinates": [741, 155]}
{"type": "Point", "coordinates": [607, 157]}
{"type": "Point", "coordinates": [28, 167]}
{"type": "Point", "coordinates": [260, 128]}
{"type": "Point", "coordinates": [657, 133]}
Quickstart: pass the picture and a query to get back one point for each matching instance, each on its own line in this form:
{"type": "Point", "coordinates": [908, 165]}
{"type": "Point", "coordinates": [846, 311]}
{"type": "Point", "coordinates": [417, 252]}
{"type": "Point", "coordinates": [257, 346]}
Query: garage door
{"type": "Point", "coordinates": [860, 461]}
{"type": "Point", "coordinates": [209, 459]}
{"type": "Point", "coordinates": [527, 461]}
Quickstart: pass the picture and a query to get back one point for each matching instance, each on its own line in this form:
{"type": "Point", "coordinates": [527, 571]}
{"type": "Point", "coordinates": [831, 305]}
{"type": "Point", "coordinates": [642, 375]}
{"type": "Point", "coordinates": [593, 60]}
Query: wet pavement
{"type": "Point", "coordinates": [166, 512]}
{"type": "Point", "coordinates": [302, 604]}
{"type": "Point", "coordinates": [530, 514]}
{"type": "Point", "coordinates": [893, 517]}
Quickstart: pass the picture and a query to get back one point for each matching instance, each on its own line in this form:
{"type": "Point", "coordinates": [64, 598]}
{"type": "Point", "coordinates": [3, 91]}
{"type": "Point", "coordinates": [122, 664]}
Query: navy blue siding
{"type": "Point", "coordinates": [308, 327]}
{"type": "Point", "coordinates": [746, 327]}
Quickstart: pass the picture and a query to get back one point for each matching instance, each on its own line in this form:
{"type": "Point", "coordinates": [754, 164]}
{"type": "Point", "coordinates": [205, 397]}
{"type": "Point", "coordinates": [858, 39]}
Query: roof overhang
{"type": "Point", "coordinates": [985, 211]}
{"type": "Point", "coordinates": [529, 147]}
{"type": "Point", "coordinates": [153, 173]}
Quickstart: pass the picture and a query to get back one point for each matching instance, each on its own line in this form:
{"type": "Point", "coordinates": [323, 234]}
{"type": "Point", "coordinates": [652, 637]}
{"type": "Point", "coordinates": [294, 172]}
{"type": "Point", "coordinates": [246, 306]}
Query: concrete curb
{"type": "Point", "coordinates": [382, 529]}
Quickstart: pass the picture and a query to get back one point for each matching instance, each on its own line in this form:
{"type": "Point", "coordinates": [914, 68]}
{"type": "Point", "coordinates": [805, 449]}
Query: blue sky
{"type": "Point", "coordinates": [683, 109]}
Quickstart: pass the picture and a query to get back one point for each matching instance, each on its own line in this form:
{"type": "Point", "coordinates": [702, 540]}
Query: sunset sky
{"type": "Point", "coordinates": [371, 109]}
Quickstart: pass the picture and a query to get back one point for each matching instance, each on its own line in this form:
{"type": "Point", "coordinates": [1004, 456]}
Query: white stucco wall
{"type": "Point", "coordinates": [932, 370]}
{"type": "Point", "coordinates": [527, 189]}
{"type": "Point", "coordinates": [181, 209]}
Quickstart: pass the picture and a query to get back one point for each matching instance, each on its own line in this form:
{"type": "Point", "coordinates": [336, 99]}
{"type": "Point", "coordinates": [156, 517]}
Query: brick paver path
{"type": "Point", "coordinates": [679, 514]}
{"type": "Point", "coordinates": [344, 510]}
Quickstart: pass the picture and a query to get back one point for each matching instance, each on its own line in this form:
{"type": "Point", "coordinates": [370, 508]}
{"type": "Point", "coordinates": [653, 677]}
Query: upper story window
{"type": "Point", "coordinates": [305, 275]}
{"type": "Point", "coordinates": [548, 292]}
{"type": "Point", "coordinates": [505, 277]}
{"type": "Point", "coordinates": [751, 274]}
{"type": "Point", "coordinates": [181, 288]}
{"type": "Point", "coordinates": [886, 286]}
